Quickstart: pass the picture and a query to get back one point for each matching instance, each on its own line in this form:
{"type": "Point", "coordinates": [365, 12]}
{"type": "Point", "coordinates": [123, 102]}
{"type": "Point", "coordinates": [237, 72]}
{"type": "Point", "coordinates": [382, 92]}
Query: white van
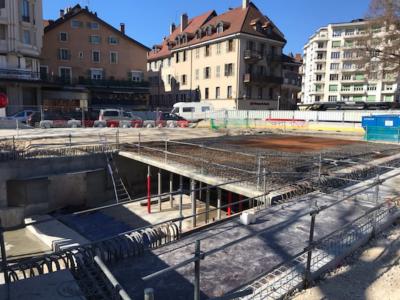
{"type": "Point", "coordinates": [193, 111]}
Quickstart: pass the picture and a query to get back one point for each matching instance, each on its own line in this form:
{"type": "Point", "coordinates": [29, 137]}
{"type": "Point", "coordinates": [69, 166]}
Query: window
{"type": "Point", "coordinates": [112, 40]}
{"type": "Point", "coordinates": [319, 67]}
{"type": "Point", "coordinates": [347, 66]}
{"type": "Point", "coordinates": [335, 66]}
{"type": "Point", "coordinates": [348, 44]}
{"type": "Point", "coordinates": [345, 98]}
{"type": "Point", "coordinates": [346, 88]}
{"type": "Point", "coordinates": [230, 46]}
{"type": "Point", "coordinates": [138, 76]}
{"type": "Point", "coordinates": [206, 93]}
{"type": "Point", "coordinates": [332, 98]}
{"type": "Point", "coordinates": [3, 32]}
{"type": "Point", "coordinates": [388, 87]}
{"type": "Point", "coordinates": [321, 45]}
{"type": "Point", "coordinates": [197, 53]}
{"type": "Point", "coordinates": [346, 77]}
{"type": "Point", "coordinates": [219, 48]}
{"type": "Point", "coordinates": [318, 77]}
{"type": "Point", "coordinates": [371, 87]}
{"type": "Point", "coordinates": [96, 74]}
{"type": "Point", "coordinates": [217, 92]}
{"type": "Point", "coordinates": [205, 109]}
{"type": "Point", "coordinates": [357, 98]}
{"type": "Point", "coordinates": [184, 55]}
{"type": "Point", "coordinates": [333, 88]}
{"type": "Point", "coordinates": [359, 77]}
{"type": "Point", "coordinates": [28, 63]}
{"type": "Point", "coordinates": [26, 38]}
{"type": "Point", "coordinates": [220, 28]}
{"type": "Point", "coordinates": [249, 92]}
{"type": "Point", "coordinates": [336, 44]}
{"type": "Point", "coordinates": [2, 4]}
{"type": "Point", "coordinates": [335, 55]}
{"type": "Point", "coordinates": [94, 39]}
{"type": "Point", "coordinates": [96, 56]}
{"type": "Point", "coordinates": [229, 92]}
{"type": "Point", "coordinates": [218, 71]}
{"type": "Point", "coordinates": [63, 37]}
{"type": "Point", "coordinates": [76, 24]}
{"type": "Point", "coordinates": [337, 32]}
{"type": "Point", "coordinates": [371, 98]}
{"type": "Point", "coordinates": [359, 87]}
{"type": "Point", "coordinates": [207, 73]}
{"type": "Point", "coordinates": [64, 54]}
{"type": "Point", "coordinates": [207, 51]}
{"type": "Point", "coordinates": [318, 88]}
{"type": "Point", "coordinates": [349, 32]}
{"type": "Point", "coordinates": [65, 74]}
{"type": "Point", "coordinates": [177, 57]}
{"type": "Point", "coordinates": [25, 11]}
{"type": "Point", "coordinates": [113, 57]}
{"type": "Point", "coordinates": [93, 25]}
{"type": "Point", "coordinates": [80, 55]}
{"type": "Point", "coordinates": [388, 98]}
{"type": "Point", "coordinates": [188, 109]}
{"type": "Point", "coordinates": [317, 98]}
{"type": "Point", "coordinates": [347, 54]}
{"type": "Point", "coordinates": [184, 79]}
{"type": "Point", "coordinates": [260, 93]}
{"type": "Point", "coordinates": [229, 70]}
{"type": "Point", "coordinates": [320, 56]}
{"type": "Point", "coordinates": [197, 74]}
{"type": "Point", "coordinates": [334, 77]}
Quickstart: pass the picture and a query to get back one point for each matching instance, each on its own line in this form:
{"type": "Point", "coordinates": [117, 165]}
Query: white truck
{"type": "Point", "coordinates": [193, 111]}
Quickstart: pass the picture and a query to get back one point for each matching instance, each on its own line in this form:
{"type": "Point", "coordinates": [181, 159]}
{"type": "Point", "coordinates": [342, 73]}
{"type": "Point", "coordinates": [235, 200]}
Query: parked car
{"type": "Point", "coordinates": [192, 111]}
{"type": "Point", "coordinates": [166, 119]}
{"type": "Point", "coordinates": [51, 119]}
{"type": "Point", "coordinates": [22, 116]}
{"type": "Point", "coordinates": [118, 118]}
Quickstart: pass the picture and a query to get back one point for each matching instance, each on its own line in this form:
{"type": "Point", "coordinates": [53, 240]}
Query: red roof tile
{"type": "Point", "coordinates": [237, 20]}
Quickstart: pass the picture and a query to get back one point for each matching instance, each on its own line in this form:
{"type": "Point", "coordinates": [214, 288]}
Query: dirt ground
{"type": "Point", "coordinates": [373, 273]}
{"type": "Point", "coordinates": [287, 143]}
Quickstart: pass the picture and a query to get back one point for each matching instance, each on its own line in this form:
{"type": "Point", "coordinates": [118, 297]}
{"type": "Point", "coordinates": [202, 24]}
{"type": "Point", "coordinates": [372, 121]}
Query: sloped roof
{"type": "Point", "coordinates": [237, 20]}
{"type": "Point", "coordinates": [77, 10]}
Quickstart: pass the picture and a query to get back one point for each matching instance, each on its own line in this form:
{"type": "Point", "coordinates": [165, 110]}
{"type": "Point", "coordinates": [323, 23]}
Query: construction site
{"type": "Point", "coordinates": [187, 213]}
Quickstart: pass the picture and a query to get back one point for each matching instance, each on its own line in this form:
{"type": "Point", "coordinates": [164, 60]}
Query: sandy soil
{"type": "Point", "coordinates": [371, 273]}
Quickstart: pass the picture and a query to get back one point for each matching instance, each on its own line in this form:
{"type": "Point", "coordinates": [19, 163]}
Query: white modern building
{"type": "Point", "coordinates": [332, 69]}
{"type": "Point", "coordinates": [21, 33]}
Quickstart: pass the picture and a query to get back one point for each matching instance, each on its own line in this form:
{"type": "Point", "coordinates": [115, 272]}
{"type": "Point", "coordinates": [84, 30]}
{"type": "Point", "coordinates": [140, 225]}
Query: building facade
{"type": "Point", "coordinates": [21, 32]}
{"type": "Point", "coordinates": [232, 60]}
{"type": "Point", "coordinates": [332, 71]}
{"type": "Point", "coordinates": [87, 62]}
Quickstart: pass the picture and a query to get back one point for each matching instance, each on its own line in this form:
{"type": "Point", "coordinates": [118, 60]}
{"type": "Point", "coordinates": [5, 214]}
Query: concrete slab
{"type": "Point", "coordinates": [237, 254]}
{"type": "Point", "coordinates": [55, 234]}
{"type": "Point", "coordinates": [22, 243]}
{"type": "Point", "coordinates": [59, 285]}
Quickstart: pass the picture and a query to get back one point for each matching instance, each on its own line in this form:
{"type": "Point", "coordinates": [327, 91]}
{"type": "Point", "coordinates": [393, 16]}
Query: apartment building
{"type": "Point", "coordinates": [232, 60]}
{"type": "Point", "coordinates": [87, 62]}
{"type": "Point", "coordinates": [21, 32]}
{"type": "Point", "coordinates": [332, 71]}
{"type": "Point", "coordinates": [291, 86]}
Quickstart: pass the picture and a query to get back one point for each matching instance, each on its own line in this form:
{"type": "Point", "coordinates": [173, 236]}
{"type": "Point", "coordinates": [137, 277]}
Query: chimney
{"type": "Point", "coordinates": [62, 13]}
{"type": "Point", "coordinates": [245, 3]}
{"type": "Point", "coordinates": [122, 27]}
{"type": "Point", "coordinates": [184, 22]}
{"type": "Point", "coordinates": [172, 28]}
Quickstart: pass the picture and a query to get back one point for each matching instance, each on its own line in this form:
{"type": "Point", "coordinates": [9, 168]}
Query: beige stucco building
{"type": "Point", "coordinates": [87, 62]}
{"type": "Point", "coordinates": [232, 60]}
{"type": "Point", "coordinates": [21, 32]}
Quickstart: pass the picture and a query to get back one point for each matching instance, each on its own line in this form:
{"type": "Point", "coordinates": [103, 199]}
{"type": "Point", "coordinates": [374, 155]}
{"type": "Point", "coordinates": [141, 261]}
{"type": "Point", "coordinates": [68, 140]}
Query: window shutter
{"type": "Point", "coordinates": [233, 69]}
{"type": "Point", "coordinates": [226, 70]}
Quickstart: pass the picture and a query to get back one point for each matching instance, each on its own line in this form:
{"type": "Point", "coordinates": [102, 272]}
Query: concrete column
{"type": "Point", "coordinates": [171, 189]}
{"type": "Point", "coordinates": [180, 201]}
{"type": "Point", "coordinates": [193, 200]}
{"type": "Point", "coordinates": [159, 190]}
{"type": "Point", "coordinates": [3, 193]}
{"type": "Point", "coordinates": [149, 189]}
{"type": "Point", "coordinates": [219, 200]}
{"type": "Point", "coordinates": [207, 205]}
{"type": "Point", "coordinates": [200, 190]}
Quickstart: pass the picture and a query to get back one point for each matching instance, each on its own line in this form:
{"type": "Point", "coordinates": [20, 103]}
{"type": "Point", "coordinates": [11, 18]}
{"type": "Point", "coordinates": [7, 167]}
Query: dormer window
{"type": "Point", "coordinates": [220, 28]}
{"type": "Point", "coordinates": [209, 30]}
{"type": "Point", "coordinates": [184, 39]}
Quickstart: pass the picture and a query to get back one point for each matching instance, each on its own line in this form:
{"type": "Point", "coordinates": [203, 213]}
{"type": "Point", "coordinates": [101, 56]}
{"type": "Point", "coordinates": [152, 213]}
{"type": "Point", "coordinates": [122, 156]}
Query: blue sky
{"type": "Point", "coordinates": [148, 20]}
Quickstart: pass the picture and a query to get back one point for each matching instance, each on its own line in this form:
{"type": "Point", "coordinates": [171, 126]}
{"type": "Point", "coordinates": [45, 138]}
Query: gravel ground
{"type": "Point", "coordinates": [371, 273]}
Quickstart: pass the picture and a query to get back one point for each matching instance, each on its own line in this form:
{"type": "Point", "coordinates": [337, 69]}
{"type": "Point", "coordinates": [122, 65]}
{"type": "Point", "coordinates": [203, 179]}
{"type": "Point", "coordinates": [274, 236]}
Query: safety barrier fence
{"type": "Point", "coordinates": [384, 134]}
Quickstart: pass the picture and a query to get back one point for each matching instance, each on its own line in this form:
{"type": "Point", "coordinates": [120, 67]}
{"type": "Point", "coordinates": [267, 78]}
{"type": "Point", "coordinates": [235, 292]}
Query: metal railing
{"type": "Point", "coordinates": [19, 74]}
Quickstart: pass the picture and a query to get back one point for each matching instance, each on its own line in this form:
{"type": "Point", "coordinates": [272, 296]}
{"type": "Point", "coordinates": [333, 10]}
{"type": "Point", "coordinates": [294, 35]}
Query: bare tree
{"type": "Point", "coordinates": [379, 46]}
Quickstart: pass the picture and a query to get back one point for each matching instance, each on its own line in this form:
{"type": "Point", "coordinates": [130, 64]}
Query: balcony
{"type": "Point", "coordinates": [19, 74]}
{"type": "Point", "coordinates": [262, 79]}
{"type": "Point", "coordinates": [253, 56]}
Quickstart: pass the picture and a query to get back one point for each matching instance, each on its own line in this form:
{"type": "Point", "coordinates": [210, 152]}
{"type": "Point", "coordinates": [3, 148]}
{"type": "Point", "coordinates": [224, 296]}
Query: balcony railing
{"type": "Point", "coordinates": [262, 79]}
{"type": "Point", "coordinates": [18, 74]}
{"type": "Point", "coordinates": [253, 55]}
